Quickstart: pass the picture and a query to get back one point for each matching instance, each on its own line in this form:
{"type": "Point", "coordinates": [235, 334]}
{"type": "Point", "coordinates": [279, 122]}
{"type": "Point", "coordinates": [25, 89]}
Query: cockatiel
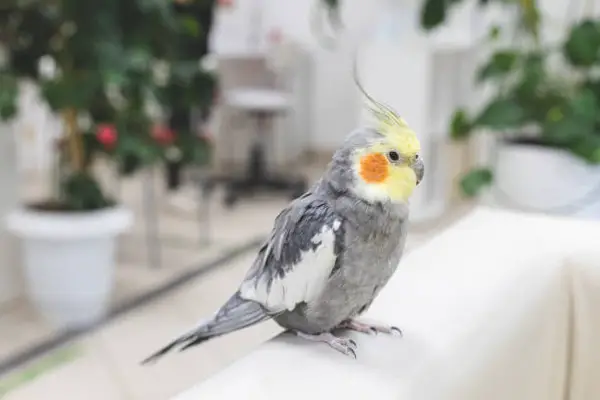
{"type": "Point", "coordinates": [333, 249]}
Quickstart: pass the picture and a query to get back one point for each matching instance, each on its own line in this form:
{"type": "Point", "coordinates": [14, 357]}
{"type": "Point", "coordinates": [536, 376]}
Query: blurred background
{"type": "Point", "coordinates": [147, 145]}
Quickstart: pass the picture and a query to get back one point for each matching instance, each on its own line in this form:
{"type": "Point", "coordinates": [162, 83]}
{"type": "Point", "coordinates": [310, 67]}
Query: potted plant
{"type": "Point", "coordinates": [105, 68]}
{"type": "Point", "coordinates": [545, 112]}
{"type": "Point", "coordinates": [196, 92]}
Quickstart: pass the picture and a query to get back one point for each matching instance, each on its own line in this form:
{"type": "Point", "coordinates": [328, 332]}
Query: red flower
{"type": "Point", "coordinates": [163, 134]}
{"type": "Point", "coordinates": [107, 135]}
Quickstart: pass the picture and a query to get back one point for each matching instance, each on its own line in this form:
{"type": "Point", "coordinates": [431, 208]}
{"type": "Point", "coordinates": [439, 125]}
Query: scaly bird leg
{"type": "Point", "coordinates": [343, 345]}
{"type": "Point", "coordinates": [370, 328]}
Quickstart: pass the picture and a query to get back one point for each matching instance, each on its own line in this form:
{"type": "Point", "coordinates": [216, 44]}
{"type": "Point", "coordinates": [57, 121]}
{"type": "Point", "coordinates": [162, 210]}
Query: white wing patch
{"type": "Point", "coordinates": [303, 282]}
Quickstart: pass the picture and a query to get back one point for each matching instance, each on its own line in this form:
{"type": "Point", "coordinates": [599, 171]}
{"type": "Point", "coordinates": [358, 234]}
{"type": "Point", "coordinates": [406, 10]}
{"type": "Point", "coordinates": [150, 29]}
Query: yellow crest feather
{"type": "Point", "coordinates": [390, 124]}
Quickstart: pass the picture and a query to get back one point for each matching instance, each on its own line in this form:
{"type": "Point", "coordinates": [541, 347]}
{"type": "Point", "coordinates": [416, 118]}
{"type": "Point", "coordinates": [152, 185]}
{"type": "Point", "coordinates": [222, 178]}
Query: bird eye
{"type": "Point", "coordinates": [393, 156]}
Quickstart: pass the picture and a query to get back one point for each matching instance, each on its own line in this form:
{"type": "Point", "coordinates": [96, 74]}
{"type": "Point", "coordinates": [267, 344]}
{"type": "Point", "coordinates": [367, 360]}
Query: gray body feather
{"type": "Point", "coordinates": [236, 314]}
{"type": "Point", "coordinates": [367, 247]}
{"type": "Point", "coordinates": [328, 256]}
{"type": "Point", "coordinates": [371, 245]}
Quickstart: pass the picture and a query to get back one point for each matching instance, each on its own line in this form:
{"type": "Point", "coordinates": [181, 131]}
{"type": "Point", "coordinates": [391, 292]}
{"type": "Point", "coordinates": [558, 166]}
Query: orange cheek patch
{"type": "Point", "coordinates": [374, 168]}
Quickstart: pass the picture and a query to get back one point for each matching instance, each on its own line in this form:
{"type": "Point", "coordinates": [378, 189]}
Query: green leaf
{"type": "Point", "coordinates": [494, 33]}
{"type": "Point", "coordinates": [433, 13]}
{"type": "Point", "coordinates": [9, 93]}
{"type": "Point", "coordinates": [531, 78]}
{"type": "Point", "coordinates": [82, 192]}
{"type": "Point", "coordinates": [460, 127]}
{"type": "Point", "coordinates": [537, 92]}
{"type": "Point", "coordinates": [191, 26]}
{"type": "Point", "coordinates": [138, 59]}
{"type": "Point", "coordinates": [136, 146]}
{"type": "Point", "coordinates": [530, 17]}
{"type": "Point", "coordinates": [585, 105]}
{"type": "Point", "coordinates": [160, 6]}
{"type": "Point", "coordinates": [500, 64]}
{"type": "Point", "coordinates": [184, 71]}
{"type": "Point", "coordinates": [501, 114]}
{"type": "Point", "coordinates": [573, 121]}
{"type": "Point", "coordinates": [111, 58]}
{"type": "Point", "coordinates": [566, 130]}
{"type": "Point", "coordinates": [476, 180]}
{"type": "Point", "coordinates": [71, 91]}
{"type": "Point", "coordinates": [587, 148]}
{"type": "Point", "coordinates": [194, 150]}
{"type": "Point", "coordinates": [582, 47]}
{"type": "Point", "coordinates": [91, 147]}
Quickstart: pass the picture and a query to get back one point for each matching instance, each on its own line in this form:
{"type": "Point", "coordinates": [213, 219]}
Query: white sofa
{"type": "Point", "coordinates": [501, 306]}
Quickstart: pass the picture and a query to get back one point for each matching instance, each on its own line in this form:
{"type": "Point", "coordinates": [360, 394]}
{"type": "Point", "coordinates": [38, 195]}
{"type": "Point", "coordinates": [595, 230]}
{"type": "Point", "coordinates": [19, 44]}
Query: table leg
{"type": "Point", "coordinates": [150, 211]}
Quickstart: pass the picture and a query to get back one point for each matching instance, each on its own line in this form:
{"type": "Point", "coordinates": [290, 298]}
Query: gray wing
{"type": "Point", "coordinates": [294, 264]}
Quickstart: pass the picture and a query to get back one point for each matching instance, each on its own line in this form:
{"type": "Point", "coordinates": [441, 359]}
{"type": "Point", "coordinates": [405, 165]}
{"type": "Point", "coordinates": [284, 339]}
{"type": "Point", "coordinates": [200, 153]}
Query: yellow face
{"type": "Point", "coordinates": [385, 169]}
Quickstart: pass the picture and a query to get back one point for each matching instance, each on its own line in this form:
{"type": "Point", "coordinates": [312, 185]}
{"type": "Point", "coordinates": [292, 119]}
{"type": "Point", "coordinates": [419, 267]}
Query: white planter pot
{"type": "Point", "coordinates": [535, 178]}
{"type": "Point", "coordinates": [69, 260]}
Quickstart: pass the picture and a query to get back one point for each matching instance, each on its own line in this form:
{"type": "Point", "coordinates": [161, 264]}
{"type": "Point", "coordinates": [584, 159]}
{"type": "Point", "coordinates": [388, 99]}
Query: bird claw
{"type": "Point", "coordinates": [396, 331]}
{"type": "Point", "coordinates": [370, 329]}
{"type": "Point", "coordinates": [348, 346]}
{"type": "Point", "coordinates": [345, 346]}
{"type": "Point", "coordinates": [351, 353]}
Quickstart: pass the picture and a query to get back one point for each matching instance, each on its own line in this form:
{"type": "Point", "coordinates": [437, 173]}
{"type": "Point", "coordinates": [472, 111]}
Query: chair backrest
{"type": "Point", "coordinates": [241, 71]}
{"type": "Point", "coordinates": [238, 72]}
{"type": "Point", "coordinates": [285, 66]}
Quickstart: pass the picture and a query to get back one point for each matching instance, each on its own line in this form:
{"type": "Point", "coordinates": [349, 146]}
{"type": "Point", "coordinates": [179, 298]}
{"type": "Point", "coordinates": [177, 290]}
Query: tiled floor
{"type": "Point", "coordinates": [105, 364]}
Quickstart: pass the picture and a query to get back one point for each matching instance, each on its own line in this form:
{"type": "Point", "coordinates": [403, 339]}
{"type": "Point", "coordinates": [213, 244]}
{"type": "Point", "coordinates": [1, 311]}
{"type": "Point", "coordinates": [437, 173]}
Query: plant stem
{"type": "Point", "coordinates": [74, 140]}
{"type": "Point", "coordinates": [531, 16]}
{"type": "Point", "coordinates": [57, 167]}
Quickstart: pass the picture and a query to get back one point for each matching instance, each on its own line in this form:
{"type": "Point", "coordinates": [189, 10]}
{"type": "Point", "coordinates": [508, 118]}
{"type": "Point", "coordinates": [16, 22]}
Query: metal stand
{"type": "Point", "coordinates": [153, 239]}
{"type": "Point", "coordinates": [204, 190]}
{"type": "Point", "coordinates": [258, 177]}
{"type": "Point", "coordinates": [150, 212]}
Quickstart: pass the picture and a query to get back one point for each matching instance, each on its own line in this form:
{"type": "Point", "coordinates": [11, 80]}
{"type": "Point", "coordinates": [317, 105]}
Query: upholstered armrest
{"type": "Point", "coordinates": [485, 310]}
{"type": "Point", "coordinates": [584, 372]}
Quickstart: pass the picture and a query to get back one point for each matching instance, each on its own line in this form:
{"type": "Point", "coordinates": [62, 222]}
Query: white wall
{"type": "Point", "coordinates": [334, 101]}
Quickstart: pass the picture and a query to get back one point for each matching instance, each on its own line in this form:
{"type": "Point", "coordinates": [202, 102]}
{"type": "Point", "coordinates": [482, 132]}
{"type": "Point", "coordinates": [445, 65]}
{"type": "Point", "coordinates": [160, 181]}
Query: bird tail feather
{"type": "Point", "coordinates": [237, 313]}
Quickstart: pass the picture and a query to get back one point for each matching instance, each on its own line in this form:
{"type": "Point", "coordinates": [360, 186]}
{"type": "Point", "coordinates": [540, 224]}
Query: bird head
{"type": "Point", "coordinates": [379, 165]}
{"type": "Point", "coordinates": [387, 166]}
{"type": "Point", "coordinates": [382, 164]}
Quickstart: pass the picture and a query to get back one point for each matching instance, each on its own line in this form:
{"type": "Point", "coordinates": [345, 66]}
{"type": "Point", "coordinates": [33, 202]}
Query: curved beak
{"type": "Point", "coordinates": [419, 169]}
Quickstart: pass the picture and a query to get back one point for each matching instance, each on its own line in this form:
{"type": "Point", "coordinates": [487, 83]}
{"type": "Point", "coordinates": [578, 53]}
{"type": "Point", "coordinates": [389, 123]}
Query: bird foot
{"type": "Point", "coordinates": [343, 345]}
{"type": "Point", "coordinates": [370, 328]}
